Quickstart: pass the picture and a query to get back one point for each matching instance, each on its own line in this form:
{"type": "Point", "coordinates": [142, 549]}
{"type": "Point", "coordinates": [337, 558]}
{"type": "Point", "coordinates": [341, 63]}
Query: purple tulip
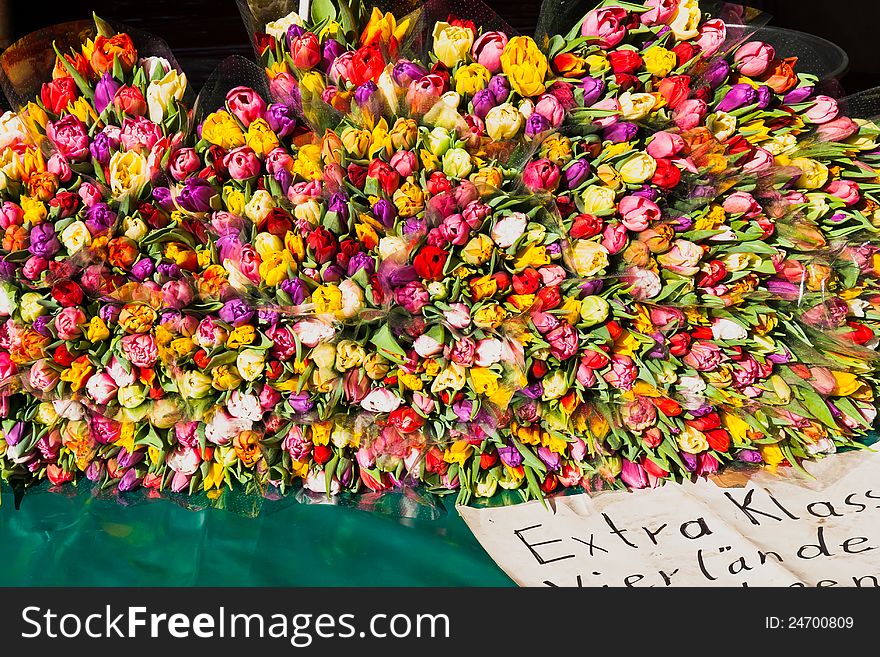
{"type": "Point", "coordinates": [170, 316]}
{"type": "Point", "coordinates": [701, 411]}
{"type": "Point", "coordinates": [330, 50]}
{"type": "Point", "coordinates": [109, 313]}
{"type": "Point", "coordinates": [300, 402]}
{"type": "Point", "coordinates": [346, 476]}
{"type": "Point", "coordinates": [707, 192]}
{"type": "Point", "coordinates": [292, 32]}
{"type": "Point", "coordinates": [13, 436]}
{"type": "Point", "coordinates": [798, 95]}
{"type": "Point", "coordinates": [127, 459]}
{"type": "Point", "coordinates": [168, 272]}
{"type": "Point", "coordinates": [360, 261]}
{"type": "Point", "coordinates": [268, 317]}
{"type": "Point", "coordinates": [338, 203]}
{"type": "Point", "coordinates": [44, 242]}
{"type": "Point", "coordinates": [781, 357]}
{"type": "Point", "coordinates": [620, 132]}
{"type": "Point", "coordinates": [682, 224]}
{"type": "Point", "coordinates": [105, 90]}
{"type": "Point", "coordinates": [331, 273]}
{"type": "Point", "coordinates": [718, 72]}
{"type": "Point", "coordinates": [142, 269]}
{"type": "Point", "coordinates": [499, 87]}
{"type": "Point", "coordinates": [576, 173]}
{"type": "Point", "coordinates": [281, 119]}
{"type": "Point", "coordinates": [405, 72]}
{"type": "Point", "coordinates": [589, 288]}
{"type": "Point", "coordinates": [749, 456]}
{"type": "Point", "coordinates": [483, 101]}
{"type": "Point", "coordinates": [227, 246]}
{"type": "Point", "coordinates": [129, 481]}
{"type": "Point", "coordinates": [551, 459]}
{"type": "Point", "coordinates": [740, 95]}
{"type": "Point", "coordinates": [689, 460]}
{"type": "Point", "coordinates": [648, 192]}
{"type": "Point", "coordinates": [95, 471]}
{"type": "Point", "coordinates": [398, 276]}
{"type": "Point", "coordinates": [101, 146]}
{"type": "Point", "coordinates": [593, 90]}
{"type": "Point", "coordinates": [385, 211]}
{"type": "Point", "coordinates": [783, 289]}
{"type": "Point", "coordinates": [162, 196]}
{"type": "Point", "coordinates": [195, 195]}
{"type": "Point", "coordinates": [510, 456]}
{"type": "Point", "coordinates": [659, 350]}
{"type": "Point", "coordinates": [536, 124]}
{"type": "Point", "coordinates": [295, 289]}
{"type": "Point", "coordinates": [765, 96]}
{"type": "Point", "coordinates": [414, 226]}
{"type": "Point", "coordinates": [41, 326]}
{"type": "Point", "coordinates": [284, 178]}
{"type": "Point", "coordinates": [533, 391]}
{"type": "Point", "coordinates": [99, 218]}
{"type": "Point", "coordinates": [236, 312]}
{"type": "Point", "coordinates": [463, 410]}
{"type": "Point", "coordinates": [7, 270]}
{"type": "Point", "coordinates": [365, 93]}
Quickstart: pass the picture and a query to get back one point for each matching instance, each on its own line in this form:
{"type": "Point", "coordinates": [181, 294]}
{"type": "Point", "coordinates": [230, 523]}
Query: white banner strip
{"type": "Point", "coordinates": [780, 529]}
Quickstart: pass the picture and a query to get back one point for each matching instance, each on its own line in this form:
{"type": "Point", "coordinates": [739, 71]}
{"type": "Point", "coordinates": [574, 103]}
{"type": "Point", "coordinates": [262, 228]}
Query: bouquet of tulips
{"type": "Point", "coordinates": [422, 251]}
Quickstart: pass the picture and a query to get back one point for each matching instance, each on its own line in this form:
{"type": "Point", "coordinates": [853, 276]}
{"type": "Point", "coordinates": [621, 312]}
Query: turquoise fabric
{"type": "Point", "coordinates": [71, 538]}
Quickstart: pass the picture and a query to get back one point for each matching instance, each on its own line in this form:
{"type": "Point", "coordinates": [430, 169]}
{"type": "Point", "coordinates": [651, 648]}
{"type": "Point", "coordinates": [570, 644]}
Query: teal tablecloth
{"type": "Point", "coordinates": [71, 538]}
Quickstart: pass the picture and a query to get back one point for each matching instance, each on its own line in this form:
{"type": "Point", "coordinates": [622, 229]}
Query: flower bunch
{"type": "Point", "coordinates": [644, 250]}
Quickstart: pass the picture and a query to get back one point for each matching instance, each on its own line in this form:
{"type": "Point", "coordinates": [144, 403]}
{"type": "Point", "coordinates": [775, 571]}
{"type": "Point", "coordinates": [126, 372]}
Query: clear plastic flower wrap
{"type": "Point", "coordinates": [417, 253]}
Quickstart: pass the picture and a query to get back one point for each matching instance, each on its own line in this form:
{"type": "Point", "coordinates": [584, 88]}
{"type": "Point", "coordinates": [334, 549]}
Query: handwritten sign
{"type": "Point", "coordinates": [780, 529]}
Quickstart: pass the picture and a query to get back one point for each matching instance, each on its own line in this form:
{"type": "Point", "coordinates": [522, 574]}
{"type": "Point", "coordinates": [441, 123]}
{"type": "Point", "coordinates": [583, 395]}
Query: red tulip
{"type": "Point", "coordinates": [539, 369]}
{"type": "Point", "coordinates": [586, 225]}
{"type": "Point", "coordinates": [58, 94]}
{"type": "Point", "coordinates": [669, 407]}
{"type": "Point", "coordinates": [405, 420]}
{"type": "Point", "coordinates": [130, 101]}
{"type": "Point", "coordinates": [305, 50]}
{"type": "Point", "coordinates": [667, 175]}
{"type": "Point", "coordinates": [322, 454]}
{"type": "Point", "coordinates": [675, 89]}
{"type": "Point", "coordinates": [322, 244]}
{"type": "Point", "coordinates": [388, 178]}
{"type": "Point", "coordinates": [679, 344]}
{"type": "Point", "coordinates": [67, 293]}
{"type": "Point", "coordinates": [624, 61]}
{"type": "Point", "coordinates": [434, 460]}
{"type": "Point", "coordinates": [438, 183]}
{"type": "Point", "coordinates": [366, 64]}
{"type": "Point", "coordinates": [653, 469]}
{"type": "Point", "coordinates": [62, 356]}
{"type": "Point", "coordinates": [430, 261]}
{"type": "Point", "coordinates": [707, 422]}
{"type": "Point", "coordinates": [719, 440]}
{"type": "Point", "coordinates": [714, 275]}
{"type": "Point", "coordinates": [527, 281]}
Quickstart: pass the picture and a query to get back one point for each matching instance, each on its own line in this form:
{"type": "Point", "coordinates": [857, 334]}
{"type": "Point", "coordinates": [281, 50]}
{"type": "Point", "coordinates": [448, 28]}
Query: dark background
{"type": "Point", "coordinates": [203, 32]}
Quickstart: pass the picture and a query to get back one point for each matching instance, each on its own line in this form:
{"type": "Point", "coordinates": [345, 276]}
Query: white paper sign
{"type": "Point", "coordinates": [781, 529]}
